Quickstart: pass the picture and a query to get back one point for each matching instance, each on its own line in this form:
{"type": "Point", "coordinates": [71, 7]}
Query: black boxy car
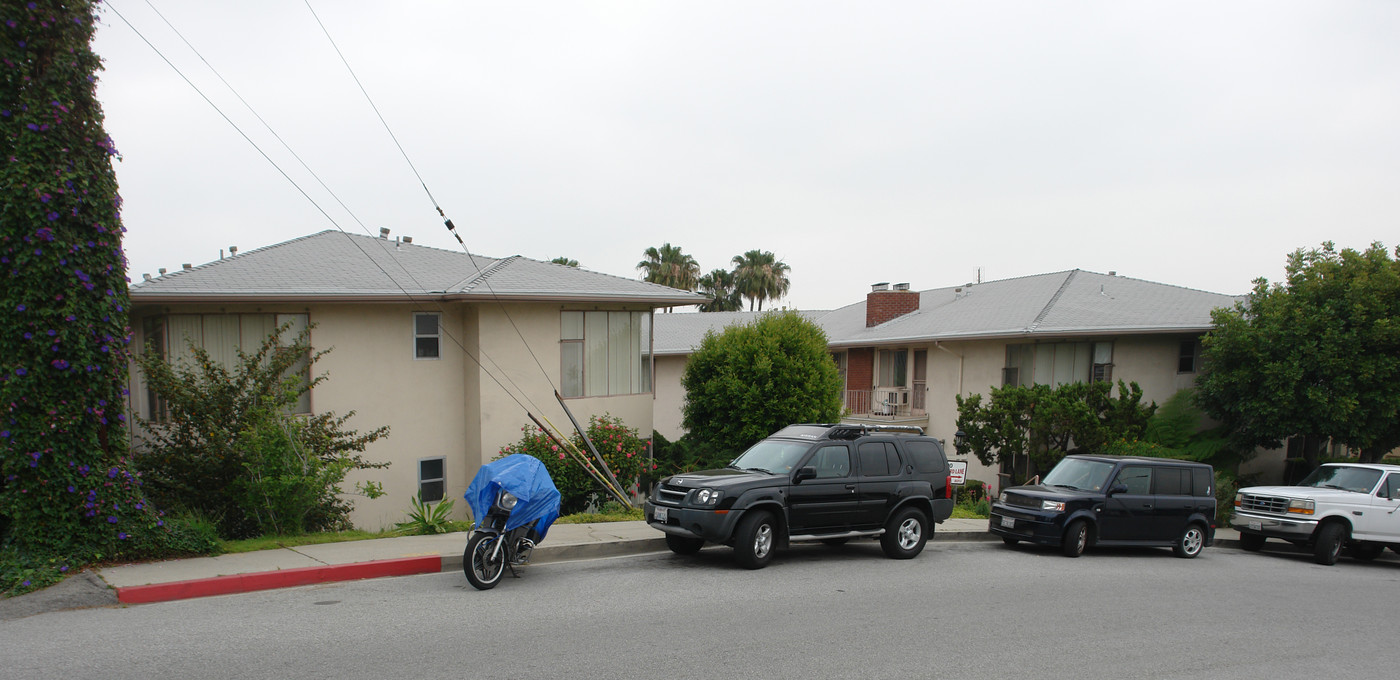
{"type": "Point", "coordinates": [811, 482]}
{"type": "Point", "coordinates": [1112, 500]}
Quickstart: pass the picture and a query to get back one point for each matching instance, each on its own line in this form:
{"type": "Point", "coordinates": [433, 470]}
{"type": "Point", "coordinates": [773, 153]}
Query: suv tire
{"type": "Point", "coordinates": [905, 534]}
{"type": "Point", "coordinates": [1191, 541]}
{"type": "Point", "coordinates": [684, 545]}
{"type": "Point", "coordinates": [1076, 538]}
{"type": "Point", "coordinates": [1252, 542]}
{"type": "Point", "coordinates": [1328, 545]}
{"type": "Point", "coordinates": [755, 539]}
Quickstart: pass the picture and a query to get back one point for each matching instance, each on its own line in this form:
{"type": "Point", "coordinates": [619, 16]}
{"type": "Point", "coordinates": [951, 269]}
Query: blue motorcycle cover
{"type": "Point", "coordinates": [526, 478]}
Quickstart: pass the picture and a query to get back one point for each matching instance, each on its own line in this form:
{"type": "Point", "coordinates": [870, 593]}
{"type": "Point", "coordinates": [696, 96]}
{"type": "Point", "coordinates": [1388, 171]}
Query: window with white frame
{"type": "Point", "coordinates": [222, 337]}
{"type": "Point", "coordinates": [1057, 363]}
{"type": "Point", "coordinates": [604, 353]}
{"type": "Point", "coordinates": [427, 335]}
{"type": "Point", "coordinates": [432, 479]}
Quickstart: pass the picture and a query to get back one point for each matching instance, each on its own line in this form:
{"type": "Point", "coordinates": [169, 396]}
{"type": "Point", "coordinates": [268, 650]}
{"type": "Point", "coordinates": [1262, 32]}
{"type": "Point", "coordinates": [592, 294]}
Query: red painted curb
{"type": "Point", "coordinates": [283, 578]}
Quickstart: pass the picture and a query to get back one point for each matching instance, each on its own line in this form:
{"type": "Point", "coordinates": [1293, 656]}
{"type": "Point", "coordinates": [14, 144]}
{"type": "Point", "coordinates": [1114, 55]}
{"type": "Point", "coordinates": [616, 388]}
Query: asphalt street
{"type": "Point", "coordinates": [967, 610]}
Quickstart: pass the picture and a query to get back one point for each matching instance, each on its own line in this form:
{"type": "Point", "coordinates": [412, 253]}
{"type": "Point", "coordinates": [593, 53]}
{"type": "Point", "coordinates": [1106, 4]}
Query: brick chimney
{"type": "Point", "coordinates": [883, 304]}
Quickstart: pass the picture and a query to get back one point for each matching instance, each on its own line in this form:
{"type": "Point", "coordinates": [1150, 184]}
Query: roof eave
{"type": "Point", "coordinates": [1023, 334]}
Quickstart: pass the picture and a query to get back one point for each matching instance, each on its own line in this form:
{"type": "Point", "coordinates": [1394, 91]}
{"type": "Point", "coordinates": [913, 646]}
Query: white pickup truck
{"type": "Point", "coordinates": [1350, 505]}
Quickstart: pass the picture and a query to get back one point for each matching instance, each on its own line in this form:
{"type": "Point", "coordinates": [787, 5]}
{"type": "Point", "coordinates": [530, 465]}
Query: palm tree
{"type": "Point", "coordinates": [759, 276]}
{"type": "Point", "coordinates": [718, 285]}
{"type": "Point", "coordinates": [669, 266]}
{"type": "Point", "coordinates": [565, 261]}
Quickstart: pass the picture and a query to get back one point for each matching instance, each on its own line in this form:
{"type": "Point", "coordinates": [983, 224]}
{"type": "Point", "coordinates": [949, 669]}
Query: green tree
{"type": "Point", "coordinates": [1030, 428]}
{"type": "Point", "coordinates": [670, 266]}
{"type": "Point", "coordinates": [1316, 356]}
{"type": "Point", "coordinates": [567, 262]}
{"type": "Point", "coordinates": [751, 380]}
{"type": "Point", "coordinates": [228, 447]}
{"type": "Point", "coordinates": [760, 276]}
{"type": "Point", "coordinates": [718, 285]}
{"type": "Point", "coordinates": [67, 494]}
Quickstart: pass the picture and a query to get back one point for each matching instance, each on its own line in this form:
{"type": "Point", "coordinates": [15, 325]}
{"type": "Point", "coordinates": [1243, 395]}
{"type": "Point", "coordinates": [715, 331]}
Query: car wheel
{"type": "Point", "coordinates": [684, 545]}
{"type": "Point", "coordinates": [482, 571]}
{"type": "Point", "coordinates": [1191, 541]}
{"type": "Point", "coordinates": [905, 534]}
{"type": "Point", "coordinates": [1076, 538]}
{"type": "Point", "coordinates": [1328, 545]}
{"type": "Point", "coordinates": [755, 539]}
{"type": "Point", "coordinates": [1251, 542]}
{"type": "Point", "coordinates": [1365, 552]}
{"type": "Point", "coordinates": [1009, 540]}
{"type": "Point", "coordinates": [836, 541]}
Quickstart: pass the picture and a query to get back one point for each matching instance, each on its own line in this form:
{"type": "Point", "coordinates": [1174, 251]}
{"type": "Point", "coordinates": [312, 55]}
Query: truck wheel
{"type": "Point", "coordinates": [1365, 552]}
{"type": "Point", "coordinates": [1328, 544]}
{"type": "Point", "coordinates": [482, 571]}
{"type": "Point", "coordinates": [1076, 539]}
{"type": "Point", "coordinates": [754, 539]}
{"type": "Point", "coordinates": [905, 534]}
{"type": "Point", "coordinates": [1251, 542]}
{"type": "Point", "coordinates": [1191, 541]}
{"type": "Point", "coordinates": [684, 545]}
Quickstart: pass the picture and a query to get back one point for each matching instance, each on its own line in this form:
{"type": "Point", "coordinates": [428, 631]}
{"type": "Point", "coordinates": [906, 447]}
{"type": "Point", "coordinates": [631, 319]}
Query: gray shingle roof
{"type": "Point", "coordinates": [1074, 302]}
{"type": "Point", "coordinates": [333, 265]}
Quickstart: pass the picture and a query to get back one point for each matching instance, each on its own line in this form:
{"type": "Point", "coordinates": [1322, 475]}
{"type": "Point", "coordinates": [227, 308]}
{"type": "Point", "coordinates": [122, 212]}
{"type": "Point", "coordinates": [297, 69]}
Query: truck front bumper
{"type": "Point", "coordinates": [1286, 528]}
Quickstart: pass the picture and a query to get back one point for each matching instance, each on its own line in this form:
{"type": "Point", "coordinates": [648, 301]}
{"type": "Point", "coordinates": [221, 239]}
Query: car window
{"type": "Point", "coordinates": [925, 455]}
{"type": "Point", "coordinates": [832, 462]}
{"type": "Point", "coordinates": [1392, 486]}
{"type": "Point", "coordinates": [892, 456]}
{"type": "Point", "coordinates": [1138, 479]}
{"type": "Point", "coordinates": [1171, 481]}
{"type": "Point", "coordinates": [872, 460]}
{"type": "Point", "coordinates": [1201, 482]}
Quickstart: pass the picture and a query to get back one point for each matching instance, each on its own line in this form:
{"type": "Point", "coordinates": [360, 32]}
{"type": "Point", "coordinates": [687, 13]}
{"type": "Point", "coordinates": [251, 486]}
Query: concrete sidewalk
{"type": "Point", "coordinates": [398, 556]}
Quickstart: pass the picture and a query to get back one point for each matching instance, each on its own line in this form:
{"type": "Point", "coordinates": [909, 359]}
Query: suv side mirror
{"type": "Point", "coordinates": [1117, 489]}
{"type": "Point", "coordinates": [808, 472]}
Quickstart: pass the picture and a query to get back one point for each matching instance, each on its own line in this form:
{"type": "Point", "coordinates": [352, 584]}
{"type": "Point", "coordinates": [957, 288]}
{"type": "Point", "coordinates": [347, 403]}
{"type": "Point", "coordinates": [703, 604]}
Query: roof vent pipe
{"type": "Point", "coordinates": [408, 239]}
{"type": "Point", "coordinates": [187, 266]}
{"type": "Point", "coordinates": [162, 271]}
{"type": "Point", "coordinates": [883, 285]}
{"type": "Point", "coordinates": [901, 286]}
{"type": "Point", "coordinates": [232, 250]}
{"type": "Point", "coordinates": [1112, 273]}
{"type": "Point", "coordinates": [145, 277]}
{"type": "Point", "coordinates": [384, 233]}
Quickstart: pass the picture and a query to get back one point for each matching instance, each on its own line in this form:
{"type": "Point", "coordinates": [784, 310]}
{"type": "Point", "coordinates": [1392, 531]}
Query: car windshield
{"type": "Point", "coordinates": [1079, 474]}
{"type": "Point", "coordinates": [773, 456]}
{"type": "Point", "coordinates": [1345, 477]}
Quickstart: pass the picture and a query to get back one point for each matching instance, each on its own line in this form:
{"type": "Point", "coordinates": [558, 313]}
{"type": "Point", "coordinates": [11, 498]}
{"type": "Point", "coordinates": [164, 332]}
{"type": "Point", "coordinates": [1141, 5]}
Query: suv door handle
{"type": "Point", "coordinates": [851, 488]}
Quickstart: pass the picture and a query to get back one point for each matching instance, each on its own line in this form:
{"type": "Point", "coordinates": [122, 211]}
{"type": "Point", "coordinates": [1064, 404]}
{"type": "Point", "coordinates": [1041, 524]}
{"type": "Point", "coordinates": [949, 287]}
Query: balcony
{"type": "Point", "coordinates": [887, 404]}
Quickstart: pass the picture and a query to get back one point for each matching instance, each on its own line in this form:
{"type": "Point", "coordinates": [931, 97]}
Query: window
{"type": "Point", "coordinates": [879, 459]}
{"type": "Point", "coordinates": [1201, 481]}
{"type": "Point", "coordinates": [222, 336]}
{"type": "Point", "coordinates": [1391, 488]}
{"type": "Point", "coordinates": [832, 462]}
{"type": "Point", "coordinates": [1057, 363]}
{"type": "Point", "coordinates": [1171, 481]}
{"type": "Point", "coordinates": [1138, 479]}
{"type": "Point", "coordinates": [1186, 359]}
{"type": "Point", "coordinates": [604, 353]}
{"type": "Point", "coordinates": [925, 455]}
{"type": "Point", "coordinates": [427, 336]}
{"type": "Point", "coordinates": [893, 368]}
{"type": "Point", "coordinates": [431, 479]}
{"type": "Point", "coordinates": [840, 359]}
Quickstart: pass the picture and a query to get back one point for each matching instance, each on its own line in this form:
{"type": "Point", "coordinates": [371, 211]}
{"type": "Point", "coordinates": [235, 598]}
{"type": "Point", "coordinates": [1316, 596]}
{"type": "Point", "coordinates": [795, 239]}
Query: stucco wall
{"type": "Point", "coordinates": [670, 397]}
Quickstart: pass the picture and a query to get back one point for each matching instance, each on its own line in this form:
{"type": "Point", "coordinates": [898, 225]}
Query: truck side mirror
{"type": "Point", "coordinates": [805, 473]}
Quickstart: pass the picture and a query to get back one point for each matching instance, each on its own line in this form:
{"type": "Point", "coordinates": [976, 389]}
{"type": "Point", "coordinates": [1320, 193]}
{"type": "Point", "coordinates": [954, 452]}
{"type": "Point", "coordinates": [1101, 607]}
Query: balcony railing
{"type": "Point", "coordinates": [886, 401]}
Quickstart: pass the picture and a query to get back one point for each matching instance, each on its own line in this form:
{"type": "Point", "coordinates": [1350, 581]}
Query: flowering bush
{"type": "Point", "coordinates": [621, 448]}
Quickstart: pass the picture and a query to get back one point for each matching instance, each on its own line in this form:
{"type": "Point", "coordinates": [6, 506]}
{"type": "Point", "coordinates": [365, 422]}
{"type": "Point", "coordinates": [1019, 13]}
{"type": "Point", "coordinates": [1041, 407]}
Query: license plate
{"type": "Point", "coordinates": [1254, 526]}
{"type": "Point", "coordinates": [661, 514]}
{"type": "Point", "coordinates": [1008, 522]}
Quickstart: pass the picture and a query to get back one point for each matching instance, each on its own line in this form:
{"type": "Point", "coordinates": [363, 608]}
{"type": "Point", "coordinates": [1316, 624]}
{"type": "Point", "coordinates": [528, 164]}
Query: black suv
{"type": "Point", "coordinates": [828, 483]}
{"type": "Point", "coordinates": [1112, 500]}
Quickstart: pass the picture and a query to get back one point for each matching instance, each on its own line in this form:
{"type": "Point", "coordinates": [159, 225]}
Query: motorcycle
{"type": "Point", "coordinates": [515, 502]}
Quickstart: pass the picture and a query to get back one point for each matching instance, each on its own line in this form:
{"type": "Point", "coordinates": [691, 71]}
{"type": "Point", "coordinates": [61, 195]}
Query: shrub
{"type": "Point", "coordinates": [624, 452]}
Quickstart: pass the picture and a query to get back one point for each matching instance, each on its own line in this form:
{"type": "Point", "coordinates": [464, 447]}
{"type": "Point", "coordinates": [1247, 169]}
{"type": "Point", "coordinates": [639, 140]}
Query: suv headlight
{"type": "Point", "coordinates": [1301, 506]}
{"type": "Point", "coordinates": [708, 496]}
{"type": "Point", "coordinates": [1056, 506]}
{"type": "Point", "coordinates": [507, 500]}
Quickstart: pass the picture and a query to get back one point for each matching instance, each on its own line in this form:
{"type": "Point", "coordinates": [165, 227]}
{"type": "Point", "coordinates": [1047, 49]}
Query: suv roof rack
{"type": "Point", "coordinates": [853, 430]}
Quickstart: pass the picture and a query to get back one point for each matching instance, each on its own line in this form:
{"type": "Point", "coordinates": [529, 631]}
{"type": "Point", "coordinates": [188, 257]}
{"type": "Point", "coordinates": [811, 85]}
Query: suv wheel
{"type": "Point", "coordinates": [1076, 539]}
{"type": "Point", "coordinates": [1191, 541]}
{"type": "Point", "coordinates": [683, 545]}
{"type": "Point", "coordinates": [1251, 542]}
{"type": "Point", "coordinates": [754, 539]}
{"type": "Point", "coordinates": [1328, 546]}
{"type": "Point", "coordinates": [905, 534]}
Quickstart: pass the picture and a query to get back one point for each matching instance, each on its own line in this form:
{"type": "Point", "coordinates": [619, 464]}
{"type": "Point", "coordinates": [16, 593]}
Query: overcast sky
{"type": "Point", "coordinates": [1190, 143]}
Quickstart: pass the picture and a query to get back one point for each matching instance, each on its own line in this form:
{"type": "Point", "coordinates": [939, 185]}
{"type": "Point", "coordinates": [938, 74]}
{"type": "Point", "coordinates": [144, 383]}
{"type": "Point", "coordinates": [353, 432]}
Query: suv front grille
{"type": "Point", "coordinates": [1269, 504]}
{"type": "Point", "coordinates": [671, 495]}
{"type": "Point", "coordinates": [1020, 500]}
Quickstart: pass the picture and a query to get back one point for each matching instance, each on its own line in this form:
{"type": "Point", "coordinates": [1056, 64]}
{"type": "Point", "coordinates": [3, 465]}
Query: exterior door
{"type": "Point", "coordinates": [1174, 503]}
{"type": "Point", "coordinates": [1381, 521]}
{"type": "Point", "coordinates": [880, 466]}
{"type": "Point", "coordinates": [1127, 513]}
{"type": "Point", "coordinates": [828, 502]}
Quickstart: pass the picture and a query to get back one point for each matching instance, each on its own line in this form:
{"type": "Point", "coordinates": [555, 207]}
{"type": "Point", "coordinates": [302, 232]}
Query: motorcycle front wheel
{"type": "Point", "coordinates": [482, 571]}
